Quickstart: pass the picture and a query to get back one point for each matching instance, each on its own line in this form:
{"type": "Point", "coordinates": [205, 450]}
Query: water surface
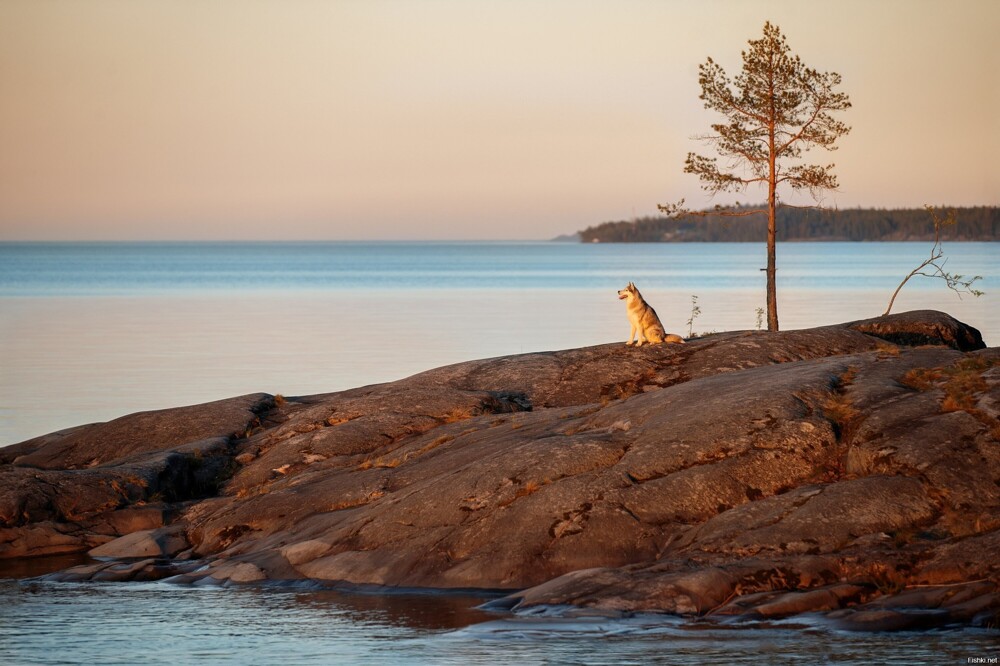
{"type": "Point", "coordinates": [116, 623]}
{"type": "Point", "coordinates": [92, 331]}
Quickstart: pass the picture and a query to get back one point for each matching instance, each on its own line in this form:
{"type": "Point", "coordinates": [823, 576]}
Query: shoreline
{"type": "Point", "coordinates": [596, 480]}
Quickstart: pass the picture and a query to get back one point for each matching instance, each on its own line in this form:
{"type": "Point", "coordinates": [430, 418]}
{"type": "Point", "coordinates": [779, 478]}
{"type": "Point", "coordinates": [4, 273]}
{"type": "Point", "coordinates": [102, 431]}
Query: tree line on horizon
{"type": "Point", "coordinates": [980, 223]}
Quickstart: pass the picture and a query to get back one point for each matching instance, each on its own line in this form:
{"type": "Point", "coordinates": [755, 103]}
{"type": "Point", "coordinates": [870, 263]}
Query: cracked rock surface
{"type": "Point", "coordinates": [756, 474]}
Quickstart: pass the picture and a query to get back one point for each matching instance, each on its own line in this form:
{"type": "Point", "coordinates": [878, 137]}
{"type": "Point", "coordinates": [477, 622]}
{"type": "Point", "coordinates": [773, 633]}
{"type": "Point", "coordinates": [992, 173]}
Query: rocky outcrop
{"type": "Point", "coordinates": [754, 474]}
{"type": "Point", "coordinates": [921, 327]}
{"type": "Point", "coordinates": [76, 489]}
{"type": "Point", "coordinates": [102, 443]}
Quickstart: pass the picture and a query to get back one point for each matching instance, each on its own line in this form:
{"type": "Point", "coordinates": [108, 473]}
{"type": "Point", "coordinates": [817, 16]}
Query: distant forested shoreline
{"type": "Point", "coordinates": [980, 223]}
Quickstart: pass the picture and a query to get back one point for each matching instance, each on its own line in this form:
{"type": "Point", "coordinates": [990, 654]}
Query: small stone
{"type": "Point", "coordinates": [245, 458]}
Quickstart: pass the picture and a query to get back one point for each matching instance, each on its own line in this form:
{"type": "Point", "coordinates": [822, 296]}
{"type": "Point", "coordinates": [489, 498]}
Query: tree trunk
{"type": "Point", "coordinates": [772, 291]}
{"type": "Point", "coordinates": [772, 209]}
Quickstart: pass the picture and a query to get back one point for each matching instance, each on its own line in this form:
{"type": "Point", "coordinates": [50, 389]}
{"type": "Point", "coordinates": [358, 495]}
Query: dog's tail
{"type": "Point", "coordinates": [673, 339]}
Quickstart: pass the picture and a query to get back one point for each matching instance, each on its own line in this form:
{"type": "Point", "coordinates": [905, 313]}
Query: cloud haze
{"type": "Point", "coordinates": [232, 119]}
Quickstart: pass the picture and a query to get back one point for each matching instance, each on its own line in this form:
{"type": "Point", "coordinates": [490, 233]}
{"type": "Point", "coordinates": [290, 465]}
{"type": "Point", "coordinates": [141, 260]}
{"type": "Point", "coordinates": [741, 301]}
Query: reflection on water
{"type": "Point", "coordinates": [39, 566]}
{"type": "Point", "coordinates": [163, 623]}
{"type": "Point", "coordinates": [116, 623]}
{"type": "Point", "coordinates": [646, 639]}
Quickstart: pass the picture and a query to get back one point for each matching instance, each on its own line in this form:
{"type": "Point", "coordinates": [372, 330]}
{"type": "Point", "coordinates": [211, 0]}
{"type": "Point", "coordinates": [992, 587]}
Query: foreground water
{"type": "Point", "coordinates": [89, 332]}
{"type": "Point", "coordinates": [49, 623]}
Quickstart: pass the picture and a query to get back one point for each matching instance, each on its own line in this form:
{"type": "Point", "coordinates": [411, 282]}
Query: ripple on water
{"type": "Point", "coordinates": [116, 623]}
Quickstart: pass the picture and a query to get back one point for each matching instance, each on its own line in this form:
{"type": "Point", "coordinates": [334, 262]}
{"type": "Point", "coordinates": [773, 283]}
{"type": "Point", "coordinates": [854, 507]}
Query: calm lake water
{"type": "Point", "coordinates": [89, 332]}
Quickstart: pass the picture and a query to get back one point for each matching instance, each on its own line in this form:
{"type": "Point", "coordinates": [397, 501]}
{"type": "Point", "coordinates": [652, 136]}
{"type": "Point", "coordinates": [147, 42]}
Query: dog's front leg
{"type": "Point", "coordinates": [631, 337]}
{"type": "Point", "coordinates": [642, 338]}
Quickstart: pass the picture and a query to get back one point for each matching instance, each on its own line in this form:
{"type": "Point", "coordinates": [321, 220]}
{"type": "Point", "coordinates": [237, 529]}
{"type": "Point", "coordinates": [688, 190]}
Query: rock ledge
{"type": "Point", "coordinates": [851, 471]}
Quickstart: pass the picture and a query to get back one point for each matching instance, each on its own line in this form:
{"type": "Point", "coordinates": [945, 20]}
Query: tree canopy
{"type": "Point", "coordinates": [773, 112]}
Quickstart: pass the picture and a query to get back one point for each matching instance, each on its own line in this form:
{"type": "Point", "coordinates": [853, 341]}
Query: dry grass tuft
{"type": "Point", "coordinates": [443, 439]}
{"type": "Point", "coordinates": [380, 462]}
{"type": "Point", "coordinates": [459, 414]}
{"type": "Point", "coordinates": [886, 348]}
{"type": "Point", "coordinates": [961, 389]}
{"type": "Point", "coordinates": [950, 404]}
{"type": "Point", "coordinates": [529, 488]}
{"type": "Point", "coordinates": [921, 379]}
{"type": "Point", "coordinates": [839, 409]}
{"type": "Point", "coordinates": [961, 384]}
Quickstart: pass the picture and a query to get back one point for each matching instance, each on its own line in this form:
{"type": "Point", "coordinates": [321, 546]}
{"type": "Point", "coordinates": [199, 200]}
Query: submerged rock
{"type": "Point", "coordinates": [750, 473]}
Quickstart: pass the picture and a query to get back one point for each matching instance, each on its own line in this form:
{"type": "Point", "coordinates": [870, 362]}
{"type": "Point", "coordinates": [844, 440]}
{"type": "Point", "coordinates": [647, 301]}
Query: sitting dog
{"type": "Point", "coordinates": [643, 319]}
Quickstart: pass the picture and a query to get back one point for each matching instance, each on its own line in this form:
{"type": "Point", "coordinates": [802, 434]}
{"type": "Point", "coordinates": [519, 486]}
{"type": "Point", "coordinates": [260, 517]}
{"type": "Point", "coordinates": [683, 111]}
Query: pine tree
{"type": "Point", "coordinates": [774, 111]}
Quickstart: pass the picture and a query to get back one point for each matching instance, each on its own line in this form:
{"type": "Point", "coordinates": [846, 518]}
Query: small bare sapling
{"type": "Point", "coordinates": [933, 266]}
{"type": "Point", "coordinates": [695, 311]}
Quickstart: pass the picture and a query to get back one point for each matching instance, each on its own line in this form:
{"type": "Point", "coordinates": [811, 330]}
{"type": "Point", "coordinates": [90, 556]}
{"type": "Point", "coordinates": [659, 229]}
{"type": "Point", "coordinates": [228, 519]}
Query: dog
{"type": "Point", "coordinates": [643, 319]}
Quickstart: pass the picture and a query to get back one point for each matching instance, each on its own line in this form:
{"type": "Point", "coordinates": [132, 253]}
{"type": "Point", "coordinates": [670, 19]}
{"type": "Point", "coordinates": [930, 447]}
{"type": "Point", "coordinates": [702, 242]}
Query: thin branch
{"type": "Point", "coordinates": [787, 205]}
{"type": "Point", "coordinates": [676, 210]}
{"type": "Point", "coordinates": [730, 213]}
{"type": "Point", "coordinates": [802, 130]}
{"type": "Point", "coordinates": [957, 283]}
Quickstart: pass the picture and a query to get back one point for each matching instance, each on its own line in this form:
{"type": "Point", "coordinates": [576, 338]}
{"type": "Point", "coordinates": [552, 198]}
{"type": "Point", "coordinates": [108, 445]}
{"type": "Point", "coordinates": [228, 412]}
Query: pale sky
{"type": "Point", "coordinates": [452, 119]}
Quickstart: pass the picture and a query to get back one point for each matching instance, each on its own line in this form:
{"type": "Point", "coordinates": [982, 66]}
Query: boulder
{"type": "Point", "coordinates": [161, 542]}
{"type": "Point", "coordinates": [922, 327]}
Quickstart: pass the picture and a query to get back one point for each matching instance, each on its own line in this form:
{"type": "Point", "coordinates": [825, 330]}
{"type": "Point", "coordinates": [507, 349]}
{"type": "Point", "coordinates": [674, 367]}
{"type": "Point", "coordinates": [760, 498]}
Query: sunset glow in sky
{"type": "Point", "coordinates": [400, 119]}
